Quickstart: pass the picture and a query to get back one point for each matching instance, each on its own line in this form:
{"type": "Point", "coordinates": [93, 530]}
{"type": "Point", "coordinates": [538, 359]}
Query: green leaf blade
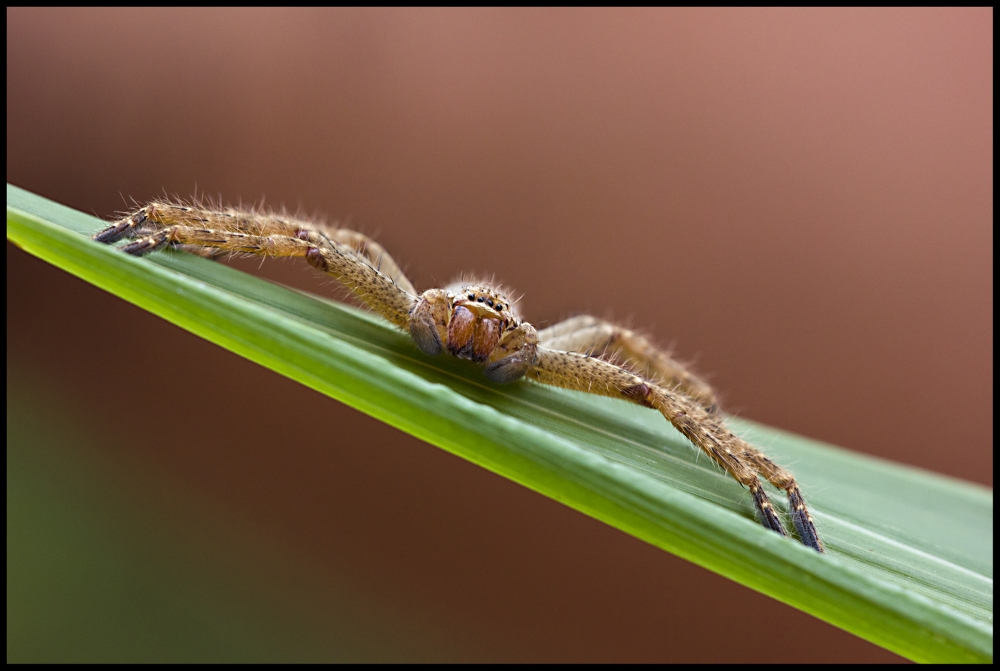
{"type": "Point", "coordinates": [910, 563]}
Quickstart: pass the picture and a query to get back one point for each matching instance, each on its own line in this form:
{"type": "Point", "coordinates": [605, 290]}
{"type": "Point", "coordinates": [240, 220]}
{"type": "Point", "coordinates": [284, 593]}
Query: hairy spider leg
{"type": "Point", "coordinates": [572, 370]}
{"type": "Point", "coordinates": [600, 338]}
{"type": "Point", "coordinates": [166, 224]}
{"type": "Point", "coordinates": [262, 223]}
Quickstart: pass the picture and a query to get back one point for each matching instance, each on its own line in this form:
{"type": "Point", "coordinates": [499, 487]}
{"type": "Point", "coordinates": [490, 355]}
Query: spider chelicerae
{"type": "Point", "coordinates": [476, 321]}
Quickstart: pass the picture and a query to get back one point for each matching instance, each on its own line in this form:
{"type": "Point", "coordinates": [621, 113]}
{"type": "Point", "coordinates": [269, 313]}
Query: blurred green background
{"type": "Point", "coordinates": [128, 566]}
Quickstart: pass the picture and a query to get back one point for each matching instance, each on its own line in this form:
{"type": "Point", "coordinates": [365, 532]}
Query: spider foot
{"type": "Point", "coordinates": [148, 245]}
{"type": "Point", "coordinates": [766, 510]}
{"type": "Point", "coordinates": [121, 229]}
{"type": "Point", "coordinates": [803, 521]}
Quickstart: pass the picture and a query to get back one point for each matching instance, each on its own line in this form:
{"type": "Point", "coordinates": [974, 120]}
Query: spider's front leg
{"type": "Point", "coordinates": [162, 224]}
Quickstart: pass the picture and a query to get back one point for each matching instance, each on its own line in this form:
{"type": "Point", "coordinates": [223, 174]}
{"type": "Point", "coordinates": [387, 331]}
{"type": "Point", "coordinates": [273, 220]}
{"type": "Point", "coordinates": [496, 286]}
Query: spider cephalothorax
{"type": "Point", "coordinates": [477, 322]}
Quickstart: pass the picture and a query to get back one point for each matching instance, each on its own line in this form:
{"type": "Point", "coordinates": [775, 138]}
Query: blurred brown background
{"type": "Point", "coordinates": [799, 201]}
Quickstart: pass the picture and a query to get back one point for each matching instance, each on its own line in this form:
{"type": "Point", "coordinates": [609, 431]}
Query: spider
{"type": "Point", "coordinates": [477, 321]}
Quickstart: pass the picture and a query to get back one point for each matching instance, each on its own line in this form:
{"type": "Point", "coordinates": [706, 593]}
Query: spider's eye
{"type": "Point", "coordinates": [499, 306]}
{"type": "Point", "coordinates": [472, 297]}
{"type": "Point", "coordinates": [480, 299]}
{"type": "Point", "coordinates": [490, 303]}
